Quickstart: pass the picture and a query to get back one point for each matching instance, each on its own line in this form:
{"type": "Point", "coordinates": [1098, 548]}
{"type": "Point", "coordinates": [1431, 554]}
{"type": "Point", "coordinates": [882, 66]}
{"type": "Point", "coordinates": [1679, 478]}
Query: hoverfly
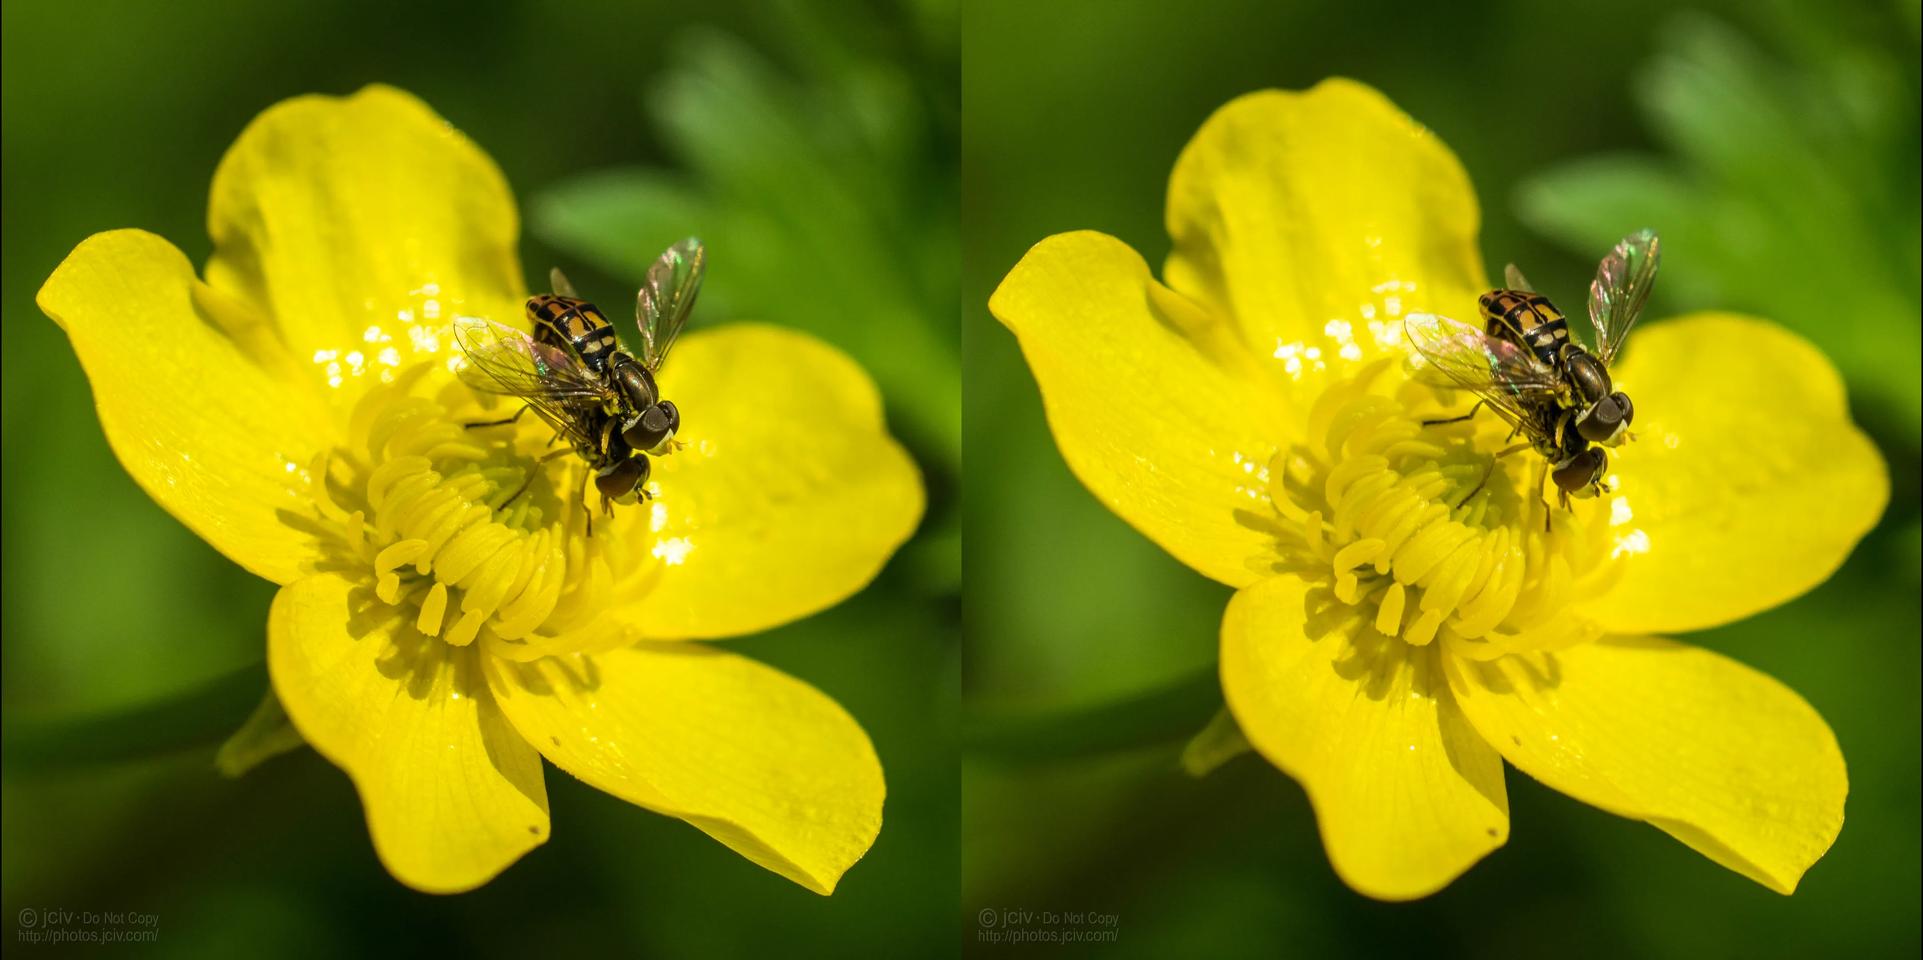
{"type": "Point", "coordinates": [575, 375]}
{"type": "Point", "coordinates": [1616, 299]}
{"type": "Point", "coordinates": [1547, 386]}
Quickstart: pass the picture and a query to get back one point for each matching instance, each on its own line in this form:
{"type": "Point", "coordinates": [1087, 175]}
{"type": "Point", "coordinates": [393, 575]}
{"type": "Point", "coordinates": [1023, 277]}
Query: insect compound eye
{"type": "Point", "coordinates": [1607, 422]}
{"type": "Point", "coordinates": [620, 481]}
{"type": "Point", "coordinates": [1580, 475]}
{"type": "Point", "coordinates": [655, 426]}
{"type": "Point", "coordinates": [1601, 422]}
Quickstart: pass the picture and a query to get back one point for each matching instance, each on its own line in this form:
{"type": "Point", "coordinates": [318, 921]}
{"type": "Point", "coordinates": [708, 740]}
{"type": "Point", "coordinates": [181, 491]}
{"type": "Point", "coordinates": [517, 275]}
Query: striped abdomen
{"type": "Point", "coordinates": [1526, 318]}
{"type": "Point", "coordinates": [573, 325]}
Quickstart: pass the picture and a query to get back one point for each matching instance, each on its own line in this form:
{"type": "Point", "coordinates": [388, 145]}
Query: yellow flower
{"type": "Point", "coordinates": [1397, 633]}
{"type": "Point", "coordinates": [435, 634]}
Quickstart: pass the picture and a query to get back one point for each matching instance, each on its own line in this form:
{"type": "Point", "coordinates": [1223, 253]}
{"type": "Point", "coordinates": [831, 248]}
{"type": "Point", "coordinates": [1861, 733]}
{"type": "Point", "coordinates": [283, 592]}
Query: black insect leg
{"type": "Point", "coordinates": [1486, 472]}
{"type": "Point", "coordinates": [496, 423]}
{"type": "Point", "coordinates": [1544, 497]}
{"type": "Point", "coordinates": [529, 480]}
{"type": "Point", "coordinates": [1490, 470]}
{"type": "Point", "coordinates": [586, 511]}
{"type": "Point", "coordinates": [1471, 413]}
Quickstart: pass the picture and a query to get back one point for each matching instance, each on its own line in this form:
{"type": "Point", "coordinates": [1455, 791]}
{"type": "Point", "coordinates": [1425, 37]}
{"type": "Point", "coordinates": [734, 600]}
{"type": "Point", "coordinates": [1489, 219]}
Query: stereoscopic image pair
{"type": "Point", "coordinates": [921, 478]}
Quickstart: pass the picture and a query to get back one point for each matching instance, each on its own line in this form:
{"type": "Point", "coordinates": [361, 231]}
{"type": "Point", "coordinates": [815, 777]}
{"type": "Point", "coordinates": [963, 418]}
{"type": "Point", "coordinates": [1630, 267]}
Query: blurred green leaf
{"type": "Point", "coordinates": [1157, 716]}
{"type": "Point", "coordinates": [1791, 194]}
{"type": "Point", "coordinates": [617, 218]}
{"type": "Point", "coordinates": [192, 718]}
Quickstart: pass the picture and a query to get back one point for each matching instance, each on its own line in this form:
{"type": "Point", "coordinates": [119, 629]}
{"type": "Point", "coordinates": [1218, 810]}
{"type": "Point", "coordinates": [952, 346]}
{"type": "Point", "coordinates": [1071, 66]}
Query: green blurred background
{"type": "Point", "coordinates": [813, 147]}
{"type": "Point", "coordinates": [1776, 147]}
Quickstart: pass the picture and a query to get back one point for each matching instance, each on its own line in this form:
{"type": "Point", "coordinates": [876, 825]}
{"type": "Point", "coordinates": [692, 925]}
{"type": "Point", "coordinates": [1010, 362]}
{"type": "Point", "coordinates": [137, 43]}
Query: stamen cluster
{"type": "Point", "coordinates": [467, 530]}
{"type": "Point", "coordinates": [1424, 524]}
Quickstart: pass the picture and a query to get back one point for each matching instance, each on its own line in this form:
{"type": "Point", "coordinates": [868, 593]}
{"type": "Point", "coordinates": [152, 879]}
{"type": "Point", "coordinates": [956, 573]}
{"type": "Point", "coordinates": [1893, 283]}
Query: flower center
{"type": "Point", "coordinates": [477, 533]}
{"type": "Point", "coordinates": [1428, 526]}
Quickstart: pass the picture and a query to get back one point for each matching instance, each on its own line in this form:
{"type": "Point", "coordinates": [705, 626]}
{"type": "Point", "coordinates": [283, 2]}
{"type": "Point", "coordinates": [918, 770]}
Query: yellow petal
{"type": "Point", "coordinates": [217, 439]}
{"type": "Point", "coordinates": [790, 494]}
{"type": "Point", "coordinates": [1746, 485]}
{"type": "Point", "coordinates": [1167, 428]}
{"type": "Point", "coordinates": [1718, 755]}
{"type": "Point", "coordinates": [753, 757]}
{"type": "Point", "coordinates": [1317, 220]}
{"type": "Point", "coordinates": [363, 225]}
{"type": "Point", "coordinates": [1407, 794]}
{"type": "Point", "coordinates": [453, 794]}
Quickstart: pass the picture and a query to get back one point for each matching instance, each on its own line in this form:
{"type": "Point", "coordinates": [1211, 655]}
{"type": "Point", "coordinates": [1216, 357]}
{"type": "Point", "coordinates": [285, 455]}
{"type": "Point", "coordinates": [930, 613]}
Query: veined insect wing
{"type": "Point", "coordinates": [1621, 290]}
{"type": "Point", "coordinates": [558, 282]}
{"type": "Point", "coordinates": [1502, 374]}
{"type": "Point", "coordinates": [666, 298]}
{"type": "Point", "coordinates": [1455, 354]}
{"type": "Point", "coordinates": [1512, 277]}
{"type": "Point", "coordinates": [502, 359]}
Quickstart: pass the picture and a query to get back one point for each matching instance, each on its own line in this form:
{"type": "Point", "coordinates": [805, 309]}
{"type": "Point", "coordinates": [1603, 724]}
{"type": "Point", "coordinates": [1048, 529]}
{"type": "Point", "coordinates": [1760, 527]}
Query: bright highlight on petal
{"type": "Point", "coordinates": [211, 429]}
{"type": "Point", "coordinates": [362, 225]}
{"type": "Point", "coordinates": [453, 794]}
{"type": "Point", "coordinates": [1315, 221]}
{"type": "Point", "coordinates": [1718, 755]}
{"type": "Point", "coordinates": [757, 759]}
{"type": "Point", "coordinates": [1407, 795]}
{"type": "Point", "coordinates": [1173, 439]}
{"type": "Point", "coordinates": [1746, 485]}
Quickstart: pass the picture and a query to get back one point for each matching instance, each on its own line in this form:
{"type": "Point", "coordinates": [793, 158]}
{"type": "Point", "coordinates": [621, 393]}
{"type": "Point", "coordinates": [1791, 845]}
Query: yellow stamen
{"type": "Point", "coordinates": [472, 529]}
{"type": "Point", "coordinates": [1388, 615]}
{"type": "Point", "coordinates": [432, 610]}
{"type": "Point", "coordinates": [1426, 519]}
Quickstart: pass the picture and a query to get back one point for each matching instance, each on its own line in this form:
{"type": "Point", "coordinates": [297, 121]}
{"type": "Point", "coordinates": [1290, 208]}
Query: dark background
{"type": "Point", "coordinates": [131, 648]}
{"type": "Point", "coordinates": [1774, 145]}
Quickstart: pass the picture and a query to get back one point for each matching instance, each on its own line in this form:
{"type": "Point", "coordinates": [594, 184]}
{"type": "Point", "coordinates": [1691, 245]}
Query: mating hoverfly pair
{"type": "Point", "coordinates": [1525, 366]}
{"type": "Point", "coordinates": [576, 376]}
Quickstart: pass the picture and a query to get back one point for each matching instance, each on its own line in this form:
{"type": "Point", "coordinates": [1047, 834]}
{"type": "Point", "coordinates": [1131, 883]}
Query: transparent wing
{"type": "Point", "coordinates": [501, 359]}
{"type": "Point", "coordinates": [1620, 290]}
{"type": "Point", "coordinates": [558, 282]}
{"type": "Point", "coordinates": [1504, 375]}
{"type": "Point", "coordinates": [1512, 276]}
{"type": "Point", "coordinates": [662, 307]}
{"type": "Point", "coordinates": [567, 419]}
